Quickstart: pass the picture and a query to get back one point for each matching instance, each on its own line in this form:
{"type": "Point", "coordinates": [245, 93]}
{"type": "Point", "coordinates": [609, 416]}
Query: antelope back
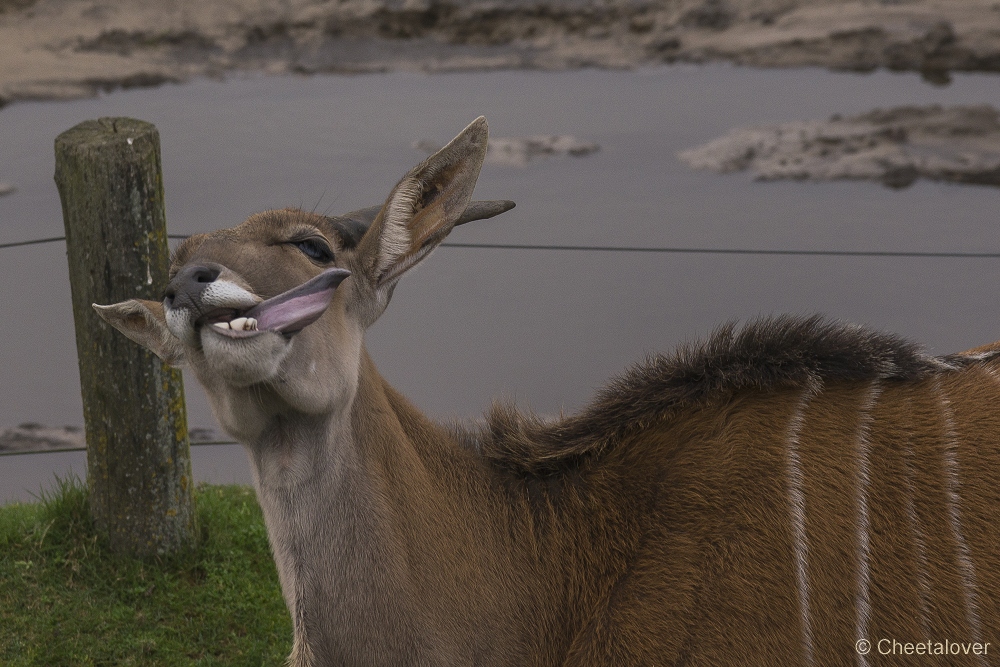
{"type": "Point", "coordinates": [792, 489]}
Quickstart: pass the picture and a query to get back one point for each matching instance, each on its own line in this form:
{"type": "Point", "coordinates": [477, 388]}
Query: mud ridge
{"type": "Point", "coordinates": [895, 147]}
{"type": "Point", "coordinates": [33, 437]}
{"type": "Point", "coordinates": [72, 48]}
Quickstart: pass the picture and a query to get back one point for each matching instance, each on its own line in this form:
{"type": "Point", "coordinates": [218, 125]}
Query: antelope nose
{"type": "Point", "coordinates": [184, 291]}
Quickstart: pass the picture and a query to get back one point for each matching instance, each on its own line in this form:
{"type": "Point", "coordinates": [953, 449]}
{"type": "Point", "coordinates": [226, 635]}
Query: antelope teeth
{"type": "Point", "coordinates": [239, 324]}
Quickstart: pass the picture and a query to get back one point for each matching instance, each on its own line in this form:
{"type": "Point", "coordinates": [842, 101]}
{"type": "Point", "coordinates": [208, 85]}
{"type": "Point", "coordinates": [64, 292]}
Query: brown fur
{"type": "Point", "coordinates": [768, 497]}
{"type": "Point", "coordinates": [784, 352]}
{"type": "Point", "coordinates": [705, 574]}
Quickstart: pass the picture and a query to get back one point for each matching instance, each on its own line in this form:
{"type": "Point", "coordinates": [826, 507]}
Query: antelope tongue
{"type": "Point", "coordinates": [300, 306]}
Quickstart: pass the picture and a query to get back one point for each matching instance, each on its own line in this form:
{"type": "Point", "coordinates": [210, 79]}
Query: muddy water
{"type": "Point", "coordinates": [543, 328]}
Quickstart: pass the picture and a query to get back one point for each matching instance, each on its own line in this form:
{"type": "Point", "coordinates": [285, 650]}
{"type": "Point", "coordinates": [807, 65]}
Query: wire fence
{"type": "Point", "coordinates": [651, 249]}
{"type": "Point", "coordinates": [579, 248]}
{"type": "Point", "coordinates": [60, 450]}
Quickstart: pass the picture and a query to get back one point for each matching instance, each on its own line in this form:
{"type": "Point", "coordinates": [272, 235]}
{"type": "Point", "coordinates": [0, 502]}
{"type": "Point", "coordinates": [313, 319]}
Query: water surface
{"type": "Point", "coordinates": [543, 328]}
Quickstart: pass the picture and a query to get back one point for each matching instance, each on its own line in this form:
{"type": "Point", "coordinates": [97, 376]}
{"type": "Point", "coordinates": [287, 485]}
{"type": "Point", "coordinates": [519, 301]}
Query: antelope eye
{"type": "Point", "coordinates": [315, 249]}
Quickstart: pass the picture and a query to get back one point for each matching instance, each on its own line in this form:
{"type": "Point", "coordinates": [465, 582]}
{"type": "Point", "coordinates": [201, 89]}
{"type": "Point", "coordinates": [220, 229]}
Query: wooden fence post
{"type": "Point", "coordinates": [138, 453]}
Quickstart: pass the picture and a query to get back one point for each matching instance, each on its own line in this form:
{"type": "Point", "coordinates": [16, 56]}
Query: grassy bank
{"type": "Point", "coordinates": [65, 600]}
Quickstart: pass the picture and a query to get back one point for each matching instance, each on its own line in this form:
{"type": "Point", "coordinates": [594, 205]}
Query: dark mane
{"type": "Point", "coordinates": [762, 355]}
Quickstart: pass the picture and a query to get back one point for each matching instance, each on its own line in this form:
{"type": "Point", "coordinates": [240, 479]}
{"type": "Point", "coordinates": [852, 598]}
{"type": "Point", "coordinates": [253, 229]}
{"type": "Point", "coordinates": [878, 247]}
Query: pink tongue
{"type": "Point", "coordinates": [300, 306]}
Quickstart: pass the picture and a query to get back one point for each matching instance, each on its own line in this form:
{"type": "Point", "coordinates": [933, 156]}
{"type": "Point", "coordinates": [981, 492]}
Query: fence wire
{"type": "Point", "coordinates": [59, 450]}
{"type": "Point", "coordinates": [653, 249]}
{"type": "Point", "coordinates": [581, 248]}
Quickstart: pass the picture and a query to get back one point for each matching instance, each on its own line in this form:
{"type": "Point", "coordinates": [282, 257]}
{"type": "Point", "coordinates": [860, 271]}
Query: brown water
{"type": "Point", "coordinates": [545, 328]}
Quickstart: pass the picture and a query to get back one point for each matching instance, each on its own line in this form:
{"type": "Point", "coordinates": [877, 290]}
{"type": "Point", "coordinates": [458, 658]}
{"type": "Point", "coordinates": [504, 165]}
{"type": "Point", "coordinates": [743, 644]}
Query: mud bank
{"type": "Point", "coordinates": [32, 437]}
{"type": "Point", "coordinates": [892, 146]}
{"type": "Point", "coordinates": [72, 48]}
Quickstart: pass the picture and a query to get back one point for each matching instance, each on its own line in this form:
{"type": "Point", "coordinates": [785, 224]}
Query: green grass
{"type": "Point", "coordinates": [66, 600]}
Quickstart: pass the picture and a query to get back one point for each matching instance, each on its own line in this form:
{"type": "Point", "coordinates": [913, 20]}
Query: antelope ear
{"type": "Point", "coordinates": [423, 208]}
{"type": "Point", "coordinates": [144, 322]}
{"type": "Point", "coordinates": [351, 227]}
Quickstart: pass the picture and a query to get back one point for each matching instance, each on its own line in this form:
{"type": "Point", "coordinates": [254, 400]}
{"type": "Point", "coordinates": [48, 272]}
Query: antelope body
{"type": "Point", "coordinates": [769, 497]}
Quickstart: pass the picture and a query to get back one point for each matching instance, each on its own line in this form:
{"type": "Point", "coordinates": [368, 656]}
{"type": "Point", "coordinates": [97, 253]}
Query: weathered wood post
{"type": "Point", "coordinates": [138, 458]}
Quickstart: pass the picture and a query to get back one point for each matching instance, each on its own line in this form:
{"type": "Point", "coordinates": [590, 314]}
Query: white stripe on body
{"type": "Point", "coordinates": [966, 568]}
{"type": "Point", "coordinates": [797, 510]}
{"type": "Point", "coordinates": [862, 603]}
{"type": "Point", "coordinates": [913, 523]}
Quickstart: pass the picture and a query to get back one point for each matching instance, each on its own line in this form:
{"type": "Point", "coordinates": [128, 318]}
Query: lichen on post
{"type": "Point", "coordinates": [138, 454]}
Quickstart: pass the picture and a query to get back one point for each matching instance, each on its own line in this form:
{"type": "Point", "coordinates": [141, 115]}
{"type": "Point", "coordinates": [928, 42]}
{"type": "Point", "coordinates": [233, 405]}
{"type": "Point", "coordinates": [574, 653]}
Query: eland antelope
{"type": "Point", "coordinates": [790, 492]}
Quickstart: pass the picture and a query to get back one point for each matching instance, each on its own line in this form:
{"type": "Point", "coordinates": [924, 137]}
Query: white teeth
{"type": "Point", "coordinates": [239, 324]}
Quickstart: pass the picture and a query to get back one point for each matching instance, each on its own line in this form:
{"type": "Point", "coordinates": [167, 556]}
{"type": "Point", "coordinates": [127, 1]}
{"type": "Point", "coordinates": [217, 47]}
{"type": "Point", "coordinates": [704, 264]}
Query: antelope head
{"type": "Point", "coordinates": [270, 314]}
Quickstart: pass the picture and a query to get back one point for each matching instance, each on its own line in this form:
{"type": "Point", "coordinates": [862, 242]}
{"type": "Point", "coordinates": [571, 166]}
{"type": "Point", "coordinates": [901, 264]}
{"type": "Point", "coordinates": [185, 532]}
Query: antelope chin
{"type": "Point", "coordinates": [243, 358]}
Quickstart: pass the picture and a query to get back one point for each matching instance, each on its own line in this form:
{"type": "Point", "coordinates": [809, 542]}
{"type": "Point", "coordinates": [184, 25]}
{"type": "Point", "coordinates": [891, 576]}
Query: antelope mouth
{"type": "Point", "coordinates": [286, 314]}
{"type": "Point", "coordinates": [230, 322]}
